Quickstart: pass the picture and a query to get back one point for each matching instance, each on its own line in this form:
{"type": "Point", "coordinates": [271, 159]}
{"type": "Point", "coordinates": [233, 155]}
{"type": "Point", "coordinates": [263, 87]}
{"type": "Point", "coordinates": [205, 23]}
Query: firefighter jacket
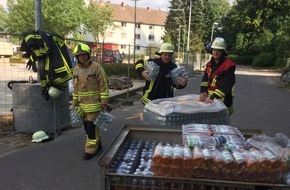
{"type": "Point", "coordinates": [51, 52]}
{"type": "Point", "coordinates": [218, 81]}
{"type": "Point", "coordinates": [90, 86]}
{"type": "Point", "coordinates": [162, 86]}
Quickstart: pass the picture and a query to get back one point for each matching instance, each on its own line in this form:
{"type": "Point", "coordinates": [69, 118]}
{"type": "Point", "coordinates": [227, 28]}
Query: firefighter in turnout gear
{"type": "Point", "coordinates": [91, 94]}
{"type": "Point", "coordinates": [162, 86]}
{"type": "Point", "coordinates": [219, 76]}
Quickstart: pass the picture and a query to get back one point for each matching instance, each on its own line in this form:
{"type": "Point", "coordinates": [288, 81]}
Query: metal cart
{"type": "Point", "coordinates": [115, 181]}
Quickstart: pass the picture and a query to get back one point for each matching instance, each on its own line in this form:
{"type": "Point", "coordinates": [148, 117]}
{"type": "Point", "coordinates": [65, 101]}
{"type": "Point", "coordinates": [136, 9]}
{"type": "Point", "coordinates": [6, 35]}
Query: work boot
{"type": "Point", "coordinates": [88, 156]}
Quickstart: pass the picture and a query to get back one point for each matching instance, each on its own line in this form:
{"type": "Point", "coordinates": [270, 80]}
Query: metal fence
{"type": "Point", "coordinates": [13, 67]}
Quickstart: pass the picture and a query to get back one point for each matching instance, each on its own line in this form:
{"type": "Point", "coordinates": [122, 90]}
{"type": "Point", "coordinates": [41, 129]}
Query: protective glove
{"type": "Point", "coordinates": [44, 92]}
{"type": "Point", "coordinates": [32, 64]}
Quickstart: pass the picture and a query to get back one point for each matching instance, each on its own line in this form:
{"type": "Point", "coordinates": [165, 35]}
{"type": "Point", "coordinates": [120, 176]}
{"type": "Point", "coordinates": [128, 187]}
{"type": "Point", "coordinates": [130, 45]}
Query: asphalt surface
{"type": "Point", "coordinates": [260, 103]}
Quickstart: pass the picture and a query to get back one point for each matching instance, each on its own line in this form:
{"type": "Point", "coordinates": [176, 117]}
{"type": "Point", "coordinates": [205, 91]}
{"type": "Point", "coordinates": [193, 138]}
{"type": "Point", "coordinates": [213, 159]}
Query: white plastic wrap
{"type": "Point", "coordinates": [183, 104]}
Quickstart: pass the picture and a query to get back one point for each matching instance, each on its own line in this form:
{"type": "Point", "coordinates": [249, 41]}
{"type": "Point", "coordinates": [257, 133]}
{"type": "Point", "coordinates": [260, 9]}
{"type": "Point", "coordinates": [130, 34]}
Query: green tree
{"type": "Point", "coordinates": [3, 16]}
{"type": "Point", "coordinates": [255, 27]}
{"type": "Point", "coordinates": [61, 17]}
{"type": "Point", "coordinates": [99, 18]}
{"type": "Point", "coordinates": [203, 15]}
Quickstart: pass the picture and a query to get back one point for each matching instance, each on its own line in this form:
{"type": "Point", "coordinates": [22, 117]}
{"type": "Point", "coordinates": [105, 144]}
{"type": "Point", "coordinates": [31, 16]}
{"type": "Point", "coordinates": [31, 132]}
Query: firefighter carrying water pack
{"type": "Point", "coordinates": [91, 94]}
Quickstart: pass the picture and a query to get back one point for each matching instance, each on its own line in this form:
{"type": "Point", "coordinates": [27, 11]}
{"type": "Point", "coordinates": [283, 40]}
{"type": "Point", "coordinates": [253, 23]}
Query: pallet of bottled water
{"type": "Point", "coordinates": [154, 157]}
{"type": "Point", "coordinates": [183, 110]}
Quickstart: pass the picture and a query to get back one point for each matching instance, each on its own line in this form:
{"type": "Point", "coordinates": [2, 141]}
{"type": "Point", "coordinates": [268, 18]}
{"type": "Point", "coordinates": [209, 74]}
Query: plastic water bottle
{"type": "Point", "coordinates": [215, 142]}
{"type": "Point", "coordinates": [76, 121]}
{"type": "Point", "coordinates": [104, 120]}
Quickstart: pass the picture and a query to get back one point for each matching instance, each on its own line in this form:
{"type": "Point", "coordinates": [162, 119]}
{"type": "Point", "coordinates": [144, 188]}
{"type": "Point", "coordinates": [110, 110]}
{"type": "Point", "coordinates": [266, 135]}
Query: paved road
{"type": "Point", "coordinates": [260, 103]}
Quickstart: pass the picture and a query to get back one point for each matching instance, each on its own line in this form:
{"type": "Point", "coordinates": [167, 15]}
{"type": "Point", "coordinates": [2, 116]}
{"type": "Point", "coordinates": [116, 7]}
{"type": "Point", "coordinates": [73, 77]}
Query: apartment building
{"type": "Point", "coordinates": [149, 27]}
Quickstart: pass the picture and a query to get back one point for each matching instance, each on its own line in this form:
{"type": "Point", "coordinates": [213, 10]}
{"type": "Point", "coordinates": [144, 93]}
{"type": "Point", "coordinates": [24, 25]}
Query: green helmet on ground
{"type": "Point", "coordinates": [81, 48]}
{"type": "Point", "coordinates": [219, 43]}
{"type": "Point", "coordinates": [39, 136]}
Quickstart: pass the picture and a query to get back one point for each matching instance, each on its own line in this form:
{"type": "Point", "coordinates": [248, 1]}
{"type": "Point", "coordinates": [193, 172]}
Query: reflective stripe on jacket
{"type": "Point", "coordinates": [162, 86]}
{"type": "Point", "coordinates": [90, 87]}
{"type": "Point", "coordinates": [55, 65]}
{"type": "Point", "coordinates": [218, 81]}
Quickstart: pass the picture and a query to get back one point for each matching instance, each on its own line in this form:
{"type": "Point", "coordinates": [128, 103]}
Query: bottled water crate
{"type": "Point", "coordinates": [124, 159]}
{"type": "Point", "coordinates": [184, 109]}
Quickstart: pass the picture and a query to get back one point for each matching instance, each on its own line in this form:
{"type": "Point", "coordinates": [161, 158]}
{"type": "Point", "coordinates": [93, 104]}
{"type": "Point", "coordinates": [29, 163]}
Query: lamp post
{"type": "Point", "coordinates": [134, 50]}
{"type": "Point", "coordinates": [188, 35]}
{"type": "Point", "coordinates": [215, 24]}
{"type": "Point", "coordinates": [179, 31]}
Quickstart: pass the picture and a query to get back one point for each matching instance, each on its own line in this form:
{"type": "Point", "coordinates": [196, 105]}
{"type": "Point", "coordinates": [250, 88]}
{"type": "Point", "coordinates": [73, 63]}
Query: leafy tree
{"type": "Point", "coordinates": [203, 15]}
{"type": "Point", "coordinates": [99, 19]}
{"type": "Point", "coordinates": [250, 20]}
{"type": "Point", "coordinates": [3, 16]}
{"type": "Point", "coordinates": [61, 17]}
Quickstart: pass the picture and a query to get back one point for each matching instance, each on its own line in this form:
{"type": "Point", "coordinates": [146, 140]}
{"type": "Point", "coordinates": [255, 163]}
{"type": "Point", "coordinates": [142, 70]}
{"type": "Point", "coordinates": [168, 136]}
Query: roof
{"type": "Point", "coordinates": [126, 13]}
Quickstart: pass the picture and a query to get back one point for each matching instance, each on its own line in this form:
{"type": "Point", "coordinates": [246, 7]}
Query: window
{"type": "Point", "coordinates": [137, 36]}
{"type": "Point", "coordinates": [123, 46]}
{"type": "Point", "coordinates": [138, 25]}
{"type": "Point", "coordinates": [123, 35]}
{"type": "Point", "coordinates": [110, 34]}
{"type": "Point", "coordinates": [137, 47]}
{"type": "Point", "coordinates": [123, 24]}
{"type": "Point", "coordinates": [151, 37]}
{"type": "Point", "coordinates": [151, 27]}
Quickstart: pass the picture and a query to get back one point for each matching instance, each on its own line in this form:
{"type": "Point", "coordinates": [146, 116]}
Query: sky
{"type": "Point", "coordinates": [153, 4]}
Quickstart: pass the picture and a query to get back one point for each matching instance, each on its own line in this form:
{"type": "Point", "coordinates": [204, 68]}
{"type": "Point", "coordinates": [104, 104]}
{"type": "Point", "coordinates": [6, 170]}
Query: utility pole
{"type": "Point", "coordinates": [179, 31]}
{"type": "Point", "coordinates": [134, 50]}
{"type": "Point", "coordinates": [188, 35]}
{"type": "Point", "coordinates": [38, 17]}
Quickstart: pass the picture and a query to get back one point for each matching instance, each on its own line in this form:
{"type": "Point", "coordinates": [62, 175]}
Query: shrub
{"type": "Point", "coordinates": [120, 70]}
{"type": "Point", "coordinates": [241, 59]}
{"type": "Point", "coordinates": [264, 59]}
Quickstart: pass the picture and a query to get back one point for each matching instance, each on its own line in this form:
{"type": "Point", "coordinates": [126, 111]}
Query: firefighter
{"type": "Point", "coordinates": [162, 86]}
{"type": "Point", "coordinates": [219, 76]}
{"type": "Point", "coordinates": [91, 94]}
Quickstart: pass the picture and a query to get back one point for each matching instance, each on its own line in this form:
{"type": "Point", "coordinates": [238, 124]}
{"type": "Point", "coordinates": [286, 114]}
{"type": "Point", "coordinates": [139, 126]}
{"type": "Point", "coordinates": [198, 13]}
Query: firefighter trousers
{"type": "Point", "coordinates": [93, 136]}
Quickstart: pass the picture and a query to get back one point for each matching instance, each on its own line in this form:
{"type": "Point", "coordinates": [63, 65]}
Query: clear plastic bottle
{"type": "Point", "coordinates": [215, 142]}
{"type": "Point", "coordinates": [104, 120]}
{"type": "Point", "coordinates": [168, 154]}
{"type": "Point", "coordinates": [158, 154]}
{"type": "Point", "coordinates": [76, 121]}
{"type": "Point", "coordinates": [178, 155]}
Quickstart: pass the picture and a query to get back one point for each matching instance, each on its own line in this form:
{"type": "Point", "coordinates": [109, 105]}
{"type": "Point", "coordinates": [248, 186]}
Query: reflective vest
{"type": "Point", "coordinates": [90, 87]}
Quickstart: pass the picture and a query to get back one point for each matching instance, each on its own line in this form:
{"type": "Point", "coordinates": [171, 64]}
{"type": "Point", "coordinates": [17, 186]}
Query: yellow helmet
{"type": "Point", "coordinates": [81, 48]}
{"type": "Point", "coordinates": [219, 43]}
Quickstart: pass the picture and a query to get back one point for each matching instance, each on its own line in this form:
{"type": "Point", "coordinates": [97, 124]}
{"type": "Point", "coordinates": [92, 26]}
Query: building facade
{"type": "Point", "coordinates": [149, 27]}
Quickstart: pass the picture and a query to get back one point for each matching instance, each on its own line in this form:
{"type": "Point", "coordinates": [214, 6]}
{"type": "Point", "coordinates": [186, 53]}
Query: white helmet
{"type": "Point", "coordinates": [39, 136]}
{"type": "Point", "coordinates": [219, 43]}
{"type": "Point", "coordinates": [54, 92]}
{"type": "Point", "coordinates": [165, 48]}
